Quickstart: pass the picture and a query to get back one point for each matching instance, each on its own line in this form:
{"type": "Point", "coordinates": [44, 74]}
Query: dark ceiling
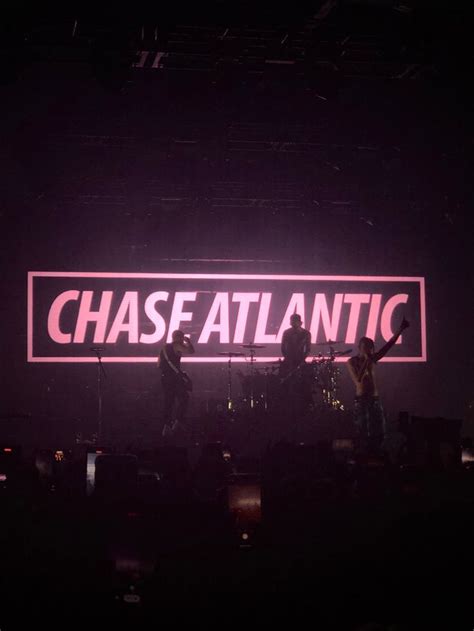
{"type": "Point", "coordinates": [375, 39]}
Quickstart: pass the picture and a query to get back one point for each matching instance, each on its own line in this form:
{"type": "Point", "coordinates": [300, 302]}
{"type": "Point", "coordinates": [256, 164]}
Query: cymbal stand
{"type": "Point", "coordinates": [252, 376]}
{"type": "Point", "coordinates": [230, 403]}
{"type": "Point", "coordinates": [100, 374]}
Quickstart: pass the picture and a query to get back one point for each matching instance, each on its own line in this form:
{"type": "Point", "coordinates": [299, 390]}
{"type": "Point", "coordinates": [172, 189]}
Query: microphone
{"type": "Point", "coordinates": [97, 349]}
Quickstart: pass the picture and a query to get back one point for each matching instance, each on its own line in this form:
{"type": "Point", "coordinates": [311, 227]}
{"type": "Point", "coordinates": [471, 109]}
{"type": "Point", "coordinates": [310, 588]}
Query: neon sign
{"type": "Point", "coordinates": [132, 315]}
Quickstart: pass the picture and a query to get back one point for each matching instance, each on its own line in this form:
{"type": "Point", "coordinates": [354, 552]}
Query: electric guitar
{"type": "Point", "coordinates": [188, 384]}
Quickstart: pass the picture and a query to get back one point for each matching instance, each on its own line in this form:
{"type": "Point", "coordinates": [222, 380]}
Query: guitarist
{"type": "Point", "coordinates": [295, 348]}
{"type": "Point", "coordinates": [176, 383]}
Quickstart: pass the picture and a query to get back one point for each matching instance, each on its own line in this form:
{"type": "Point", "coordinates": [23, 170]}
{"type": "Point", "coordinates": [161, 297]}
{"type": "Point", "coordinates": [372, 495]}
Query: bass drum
{"type": "Point", "coordinates": [265, 389]}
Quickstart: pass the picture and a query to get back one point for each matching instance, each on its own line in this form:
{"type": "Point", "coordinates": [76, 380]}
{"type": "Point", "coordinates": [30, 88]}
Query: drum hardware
{"type": "Point", "coordinates": [98, 350]}
{"type": "Point", "coordinates": [326, 376]}
{"type": "Point", "coordinates": [328, 343]}
{"type": "Point", "coordinates": [230, 354]}
{"type": "Point", "coordinates": [261, 387]}
{"type": "Point", "coordinates": [252, 348]}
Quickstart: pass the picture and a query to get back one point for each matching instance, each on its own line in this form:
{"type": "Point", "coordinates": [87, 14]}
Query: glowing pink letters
{"type": "Point", "coordinates": [324, 321]}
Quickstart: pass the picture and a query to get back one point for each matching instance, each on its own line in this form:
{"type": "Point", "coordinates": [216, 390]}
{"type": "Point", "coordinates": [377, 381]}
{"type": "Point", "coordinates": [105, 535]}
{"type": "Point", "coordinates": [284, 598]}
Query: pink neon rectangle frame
{"type": "Point", "coordinates": [214, 360]}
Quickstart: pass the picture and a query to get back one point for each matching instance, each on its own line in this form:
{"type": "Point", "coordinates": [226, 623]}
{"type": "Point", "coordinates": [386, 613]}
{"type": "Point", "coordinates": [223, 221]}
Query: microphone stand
{"type": "Point", "coordinates": [100, 373]}
{"type": "Point", "coordinates": [252, 374]}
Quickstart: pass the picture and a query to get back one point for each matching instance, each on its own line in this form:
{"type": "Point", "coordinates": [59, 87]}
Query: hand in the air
{"type": "Point", "coordinates": [404, 325]}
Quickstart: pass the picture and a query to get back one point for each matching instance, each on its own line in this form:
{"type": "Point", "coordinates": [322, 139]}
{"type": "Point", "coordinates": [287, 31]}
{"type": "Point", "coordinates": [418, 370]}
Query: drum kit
{"type": "Point", "coordinates": [262, 388]}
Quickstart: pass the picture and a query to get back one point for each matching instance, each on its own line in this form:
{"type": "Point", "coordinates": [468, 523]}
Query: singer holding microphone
{"type": "Point", "coordinates": [368, 412]}
{"type": "Point", "coordinates": [176, 383]}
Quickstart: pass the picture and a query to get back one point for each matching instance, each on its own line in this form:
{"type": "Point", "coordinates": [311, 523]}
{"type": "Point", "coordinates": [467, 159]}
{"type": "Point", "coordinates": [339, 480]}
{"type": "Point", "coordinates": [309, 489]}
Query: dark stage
{"type": "Point", "coordinates": [180, 183]}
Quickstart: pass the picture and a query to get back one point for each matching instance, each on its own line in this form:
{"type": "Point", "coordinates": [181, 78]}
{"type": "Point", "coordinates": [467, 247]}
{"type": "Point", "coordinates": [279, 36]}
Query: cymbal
{"type": "Point", "coordinates": [328, 343]}
{"type": "Point", "coordinates": [252, 346]}
{"type": "Point", "coordinates": [334, 353]}
{"type": "Point", "coordinates": [231, 354]}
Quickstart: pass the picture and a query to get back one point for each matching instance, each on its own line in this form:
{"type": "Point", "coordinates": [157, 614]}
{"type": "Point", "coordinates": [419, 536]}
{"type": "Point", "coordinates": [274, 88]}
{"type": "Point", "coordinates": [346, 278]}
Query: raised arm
{"type": "Point", "coordinates": [384, 350]}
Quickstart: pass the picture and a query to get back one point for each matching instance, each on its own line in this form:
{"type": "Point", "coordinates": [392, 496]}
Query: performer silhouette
{"type": "Point", "coordinates": [368, 411]}
{"type": "Point", "coordinates": [176, 384]}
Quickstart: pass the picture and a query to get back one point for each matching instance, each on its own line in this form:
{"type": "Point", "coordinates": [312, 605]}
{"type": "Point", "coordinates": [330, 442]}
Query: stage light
{"type": "Point", "coordinates": [131, 598]}
{"type": "Point", "coordinates": [51, 465]}
{"type": "Point", "coordinates": [343, 444]}
{"type": "Point", "coordinates": [9, 458]}
{"type": "Point", "coordinates": [343, 450]}
{"type": "Point", "coordinates": [59, 456]}
{"type": "Point", "coordinates": [244, 500]}
{"type": "Point", "coordinates": [467, 457]}
{"type": "Point", "coordinates": [216, 453]}
{"type": "Point", "coordinates": [9, 462]}
{"type": "Point", "coordinates": [90, 472]}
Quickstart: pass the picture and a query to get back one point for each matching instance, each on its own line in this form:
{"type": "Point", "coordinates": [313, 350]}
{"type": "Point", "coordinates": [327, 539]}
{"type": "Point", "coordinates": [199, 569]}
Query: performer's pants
{"type": "Point", "coordinates": [369, 418]}
{"type": "Point", "coordinates": [174, 393]}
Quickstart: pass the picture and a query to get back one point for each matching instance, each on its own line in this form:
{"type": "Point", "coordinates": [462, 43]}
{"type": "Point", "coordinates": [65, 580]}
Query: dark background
{"type": "Point", "coordinates": [355, 158]}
